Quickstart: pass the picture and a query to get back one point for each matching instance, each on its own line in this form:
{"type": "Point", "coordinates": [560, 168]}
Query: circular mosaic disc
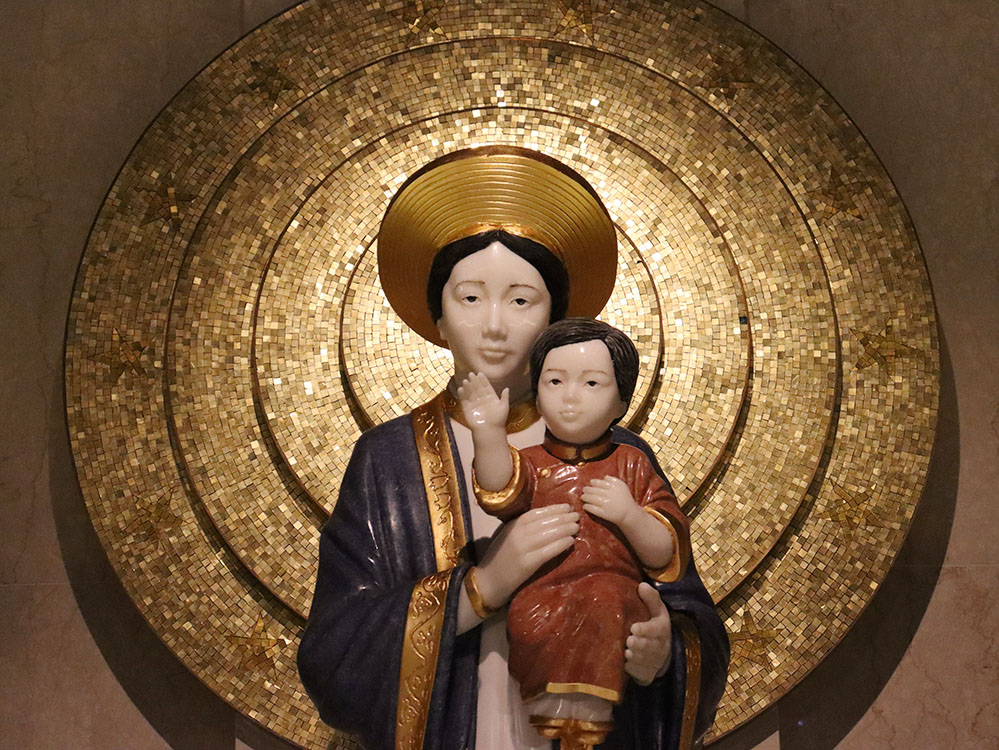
{"type": "Point", "coordinates": [229, 340]}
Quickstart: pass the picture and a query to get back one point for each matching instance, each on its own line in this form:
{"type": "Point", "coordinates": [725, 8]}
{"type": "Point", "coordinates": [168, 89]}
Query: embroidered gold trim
{"type": "Point", "coordinates": [496, 502]}
{"type": "Point", "coordinates": [521, 415]}
{"type": "Point", "coordinates": [440, 480]}
{"type": "Point", "coordinates": [582, 724]}
{"type": "Point", "coordinates": [561, 688]}
{"type": "Point", "coordinates": [420, 649]}
{"type": "Point", "coordinates": [692, 686]}
{"type": "Point", "coordinates": [677, 565]}
{"type": "Point", "coordinates": [573, 734]}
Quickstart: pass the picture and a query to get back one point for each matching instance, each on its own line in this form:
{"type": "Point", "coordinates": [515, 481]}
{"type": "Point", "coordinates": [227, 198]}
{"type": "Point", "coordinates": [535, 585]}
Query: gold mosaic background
{"type": "Point", "coordinates": [228, 338]}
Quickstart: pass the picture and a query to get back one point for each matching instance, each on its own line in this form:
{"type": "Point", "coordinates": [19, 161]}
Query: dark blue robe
{"type": "Point", "coordinates": [377, 557]}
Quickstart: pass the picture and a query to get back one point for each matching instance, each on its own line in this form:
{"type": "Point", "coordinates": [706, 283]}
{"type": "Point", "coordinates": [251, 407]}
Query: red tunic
{"type": "Point", "coordinates": [567, 625]}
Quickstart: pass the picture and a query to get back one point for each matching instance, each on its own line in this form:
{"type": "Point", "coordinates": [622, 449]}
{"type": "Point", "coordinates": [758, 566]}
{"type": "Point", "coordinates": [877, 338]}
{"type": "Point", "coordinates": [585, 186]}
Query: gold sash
{"type": "Point", "coordinates": [425, 617]}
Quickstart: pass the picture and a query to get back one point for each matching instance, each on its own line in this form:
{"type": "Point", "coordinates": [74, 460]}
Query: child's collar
{"type": "Point", "coordinates": [572, 453]}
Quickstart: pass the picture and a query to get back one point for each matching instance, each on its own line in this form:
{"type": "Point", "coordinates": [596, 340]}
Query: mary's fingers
{"type": "Point", "coordinates": [548, 510]}
{"type": "Point", "coordinates": [657, 628]}
{"type": "Point", "coordinates": [542, 535]}
{"type": "Point", "coordinates": [555, 519]}
{"type": "Point", "coordinates": [652, 601]}
{"type": "Point", "coordinates": [637, 668]}
{"type": "Point", "coordinates": [549, 551]}
{"type": "Point", "coordinates": [643, 645]}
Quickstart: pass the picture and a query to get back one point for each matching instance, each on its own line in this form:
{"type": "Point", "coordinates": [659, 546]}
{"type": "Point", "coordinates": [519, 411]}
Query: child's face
{"type": "Point", "coordinates": [577, 393]}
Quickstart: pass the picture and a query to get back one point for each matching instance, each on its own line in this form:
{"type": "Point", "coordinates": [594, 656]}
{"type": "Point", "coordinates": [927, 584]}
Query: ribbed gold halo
{"type": "Point", "coordinates": [520, 190]}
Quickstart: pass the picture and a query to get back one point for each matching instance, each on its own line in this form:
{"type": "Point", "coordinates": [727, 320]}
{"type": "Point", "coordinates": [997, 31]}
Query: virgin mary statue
{"type": "Point", "coordinates": [406, 642]}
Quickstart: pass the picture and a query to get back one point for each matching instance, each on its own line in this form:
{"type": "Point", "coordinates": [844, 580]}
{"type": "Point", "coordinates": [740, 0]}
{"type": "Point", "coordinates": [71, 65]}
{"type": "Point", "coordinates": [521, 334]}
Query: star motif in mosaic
{"type": "Point", "coordinates": [852, 510]}
{"type": "Point", "coordinates": [423, 17]}
{"type": "Point", "coordinates": [729, 75]}
{"type": "Point", "coordinates": [165, 202]}
{"type": "Point", "coordinates": [753, 644]}
{"type": "Point", "coordinates": [268, 79]}
{"type": "Point", "coordinates": [839, 195]}
{"type": "Point", "coordinates": [257, 649]}
{"type": "Point", "coordinates": [125, 355]}
{"type": "Point", "coordinates": [881, 349]}
{"type": "Point", "coordinates": [578, 16]}
{"type": "Point", "coordinates": [153, 522]}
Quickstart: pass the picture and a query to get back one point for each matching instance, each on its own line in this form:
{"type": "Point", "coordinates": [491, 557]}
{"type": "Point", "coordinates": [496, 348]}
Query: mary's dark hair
{"type": "Point", "coordinates": [623, 354]}
{"type": "Point", "coordinates": [544, 260]}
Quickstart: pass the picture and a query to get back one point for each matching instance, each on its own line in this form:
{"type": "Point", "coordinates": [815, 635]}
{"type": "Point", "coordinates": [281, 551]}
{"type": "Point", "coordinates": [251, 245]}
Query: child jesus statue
{"type": "Point", "coordinates": [569, 625]}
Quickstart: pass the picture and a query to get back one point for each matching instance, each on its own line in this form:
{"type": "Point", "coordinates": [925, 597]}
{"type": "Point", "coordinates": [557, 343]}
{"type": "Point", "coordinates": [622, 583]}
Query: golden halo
{"type": "Point", "coordinates": [495, 187]}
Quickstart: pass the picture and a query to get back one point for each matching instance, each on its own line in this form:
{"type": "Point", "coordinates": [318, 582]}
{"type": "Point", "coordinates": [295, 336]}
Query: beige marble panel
{"type": "Point", "coordinates": [79, 81]}
{"type": "Point", "coordinates": [945, 693]}
{"type": "Point", "coordinates": [28, 551]}
{"type": "Point", "coordinates": [57, 691]}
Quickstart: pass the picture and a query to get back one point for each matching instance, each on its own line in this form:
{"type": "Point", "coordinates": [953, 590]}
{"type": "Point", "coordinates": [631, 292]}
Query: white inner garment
{"type": "Point", "coordinates": [501, 719]}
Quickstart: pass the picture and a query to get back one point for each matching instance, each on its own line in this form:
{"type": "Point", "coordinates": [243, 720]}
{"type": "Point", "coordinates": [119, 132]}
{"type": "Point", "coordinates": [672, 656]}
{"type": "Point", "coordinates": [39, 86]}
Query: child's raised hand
{"type": "Point", "coordinates": [610, 499]}
{"type": "Point", "coordinates": [481, 405]}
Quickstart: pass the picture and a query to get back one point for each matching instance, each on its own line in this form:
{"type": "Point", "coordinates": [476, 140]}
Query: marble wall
{"type": "Point", "coordinates": [79, 80]}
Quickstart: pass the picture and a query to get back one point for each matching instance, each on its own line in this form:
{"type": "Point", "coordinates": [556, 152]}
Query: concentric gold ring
{"type": "Point", "coordinates": [228, 338]}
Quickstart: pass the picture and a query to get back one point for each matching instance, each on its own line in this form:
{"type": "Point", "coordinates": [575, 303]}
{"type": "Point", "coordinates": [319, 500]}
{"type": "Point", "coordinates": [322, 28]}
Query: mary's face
{"type": "Point", "coordinates": [494, 304]}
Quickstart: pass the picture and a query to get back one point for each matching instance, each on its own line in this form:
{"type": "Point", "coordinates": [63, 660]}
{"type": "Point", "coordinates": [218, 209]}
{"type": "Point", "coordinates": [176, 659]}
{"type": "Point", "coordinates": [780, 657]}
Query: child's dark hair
{"type": "Point", "coordinates": [552, 269]}
{"type": "Point", "coordinates": [623, 354]}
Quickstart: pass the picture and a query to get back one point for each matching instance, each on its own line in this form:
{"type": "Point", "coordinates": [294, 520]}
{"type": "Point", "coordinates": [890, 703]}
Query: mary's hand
{"type": "Point", "coordinates": [647, 649]}
{"type": "Point", "coordinates": [521, 547]}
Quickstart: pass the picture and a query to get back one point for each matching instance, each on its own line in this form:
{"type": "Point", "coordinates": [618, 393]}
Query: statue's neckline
{"type": "Point", "coordinates": [571, 453]}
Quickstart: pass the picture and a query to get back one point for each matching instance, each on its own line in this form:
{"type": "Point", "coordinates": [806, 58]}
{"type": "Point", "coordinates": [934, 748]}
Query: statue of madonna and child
{"type": "Point", "coordinates": [475, 516]}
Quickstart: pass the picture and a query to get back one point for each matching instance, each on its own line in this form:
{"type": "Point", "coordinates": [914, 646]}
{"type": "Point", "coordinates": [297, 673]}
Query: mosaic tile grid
{"type": "Point", "coordinates": [794, 405]}
{"type": "Point", "coordinates": [377, 341]}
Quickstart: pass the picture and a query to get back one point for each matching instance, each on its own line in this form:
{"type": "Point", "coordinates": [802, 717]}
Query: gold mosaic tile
{"type": "Point", "coordinates": [228, 339]}
{"type": "Point", "coordinates": [380, 357]}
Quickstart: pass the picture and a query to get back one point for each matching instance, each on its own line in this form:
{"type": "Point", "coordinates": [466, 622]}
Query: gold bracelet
{"type": "Point", "coordinates": [479, 605]}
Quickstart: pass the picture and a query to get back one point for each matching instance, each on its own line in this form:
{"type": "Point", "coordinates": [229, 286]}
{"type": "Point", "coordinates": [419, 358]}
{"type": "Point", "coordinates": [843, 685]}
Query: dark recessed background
{"type": "Point", "coordinates": [80, 80]}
